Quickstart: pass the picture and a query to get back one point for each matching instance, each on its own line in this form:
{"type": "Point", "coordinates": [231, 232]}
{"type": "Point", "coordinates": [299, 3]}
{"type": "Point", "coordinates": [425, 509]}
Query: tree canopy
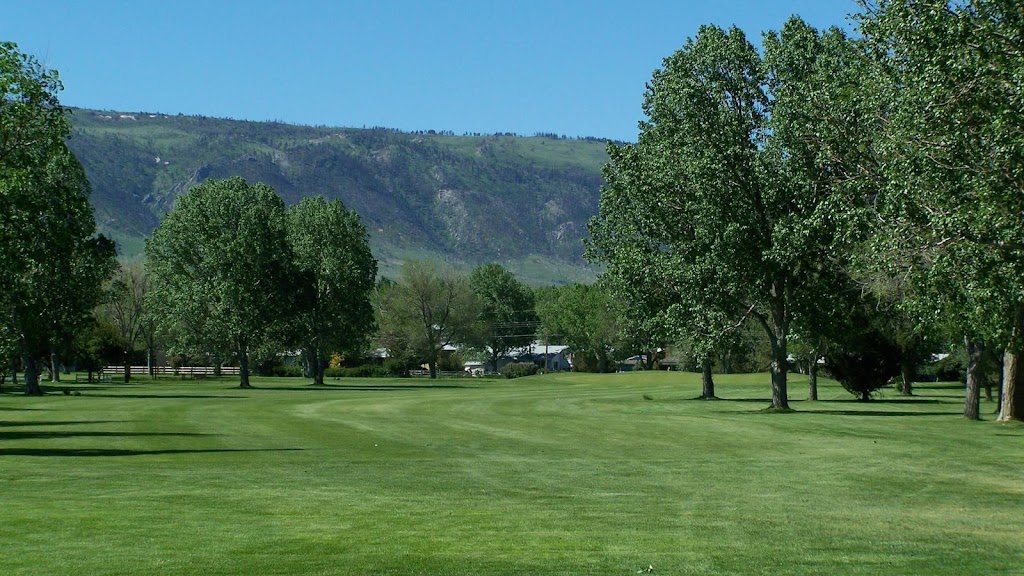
{"type": "Point", "coordinates": [732, 200]}
{"type": "Point", "coordinates": [582, 317]}
{"type": "Point", "coordinates": [335, 278]}
{"type": "Point", "coordinates": [425, 311]}
{"type": "Point", "coordinates": [54, 264]}
{"type": "Point", "coordinates": [953, 153]}
{"type": "Point", "coordinates": [508, 321]}
{"type": "Point", "coordinates": [221, 270]}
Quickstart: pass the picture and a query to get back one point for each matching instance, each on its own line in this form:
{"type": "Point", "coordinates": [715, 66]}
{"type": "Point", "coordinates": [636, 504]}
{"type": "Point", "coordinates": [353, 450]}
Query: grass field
{"type": "Point", "coordinates": [555, 474]}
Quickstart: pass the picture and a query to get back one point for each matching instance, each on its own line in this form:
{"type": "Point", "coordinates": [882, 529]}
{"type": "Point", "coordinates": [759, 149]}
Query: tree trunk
{"type": "Point", "coordinates": [31, 376]}
{"type": "Point", "coordinates": [48, 366]}
{"type": "Point", "coordinates": [988, 387]}
{"type": "Point", "coordinates": [602, 361]}
{"type": "Point", "coordinates": [243, 367]}
{"type": "Point", "coordinates": [54, 366]}
{"type": "Point", "coordinates": [971, 398]}
{"type": "Point", "coordinates": [494, 360]}
{"type": "Point", "coordinates": [812, 378]}
{"type": "Point", "coordinates": [1011, 400]}
{"type": "Point", "coordinates": [709, 384]}
{"type": "Point", "coordinates": [777, 335]}
{"type": "Point", "coordinates": [308, 367]}
{"type": "Point", "coordinates": [319, 363]}
{"type": "Point", "coordinates": [127, 366]}
{"type": "Point", "coordinates": [907, 379]}
{"type": "Point", "coordinates": [432, 366]}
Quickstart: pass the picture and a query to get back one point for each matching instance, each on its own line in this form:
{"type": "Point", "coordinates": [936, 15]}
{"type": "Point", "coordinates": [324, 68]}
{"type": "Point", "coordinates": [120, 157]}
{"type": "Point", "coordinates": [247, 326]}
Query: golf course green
{"type": "Point", "coordinates": [551, 474]}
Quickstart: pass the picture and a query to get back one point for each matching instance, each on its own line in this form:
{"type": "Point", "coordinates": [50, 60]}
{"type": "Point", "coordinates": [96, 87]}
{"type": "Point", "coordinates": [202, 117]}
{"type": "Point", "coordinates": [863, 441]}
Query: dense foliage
{"type": "Point", "coordinates": [221, 271]}
{"type": "Point", "coordinates": [519, 369]}
{"type": "Point", "coordinates": [54, 264]}
{"type": "Point", "coordinates": [953, 152]}
{"type": "Point", "coordinates": [731, 203]}
{"type": "Point", "coordinates": [335, 274]}
{"type": "Point", "coordinates": [426, 311]}
{"type": "Point", "coordinates": [508, 321]}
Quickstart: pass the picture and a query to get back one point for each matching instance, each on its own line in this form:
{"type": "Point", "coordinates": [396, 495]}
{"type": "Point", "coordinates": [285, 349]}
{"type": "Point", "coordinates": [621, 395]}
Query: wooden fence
{"type": "Point", "coordinates": [183, 371]}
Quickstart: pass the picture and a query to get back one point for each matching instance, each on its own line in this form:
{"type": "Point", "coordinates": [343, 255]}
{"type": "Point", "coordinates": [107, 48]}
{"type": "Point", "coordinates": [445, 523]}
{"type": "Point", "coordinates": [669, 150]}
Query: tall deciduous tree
{"type": "Point", "coordinates": [125, 308]}
{"type": "Point", "coordinates": [954, 153]}
{"type": "Point", "coordinates": [335, 276]}
{"type": "Point", "coordinates": [508, 320]}
{"type": "Point", "coordinates": [54, 278]}
{"type": "Point", "coordinates": [221, 269]}
{"type": "Point", "coordinates": [425, 311]}
{"type": "Point", "coordinates": [53, 262]}
{"type": "Point", "coordinates": [582, 317]}
{"type": "Point", "coordinates": [741, 197]}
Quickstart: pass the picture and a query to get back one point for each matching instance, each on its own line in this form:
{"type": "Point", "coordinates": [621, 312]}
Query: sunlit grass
{"type": "Point", "coordinates": [555, 474]}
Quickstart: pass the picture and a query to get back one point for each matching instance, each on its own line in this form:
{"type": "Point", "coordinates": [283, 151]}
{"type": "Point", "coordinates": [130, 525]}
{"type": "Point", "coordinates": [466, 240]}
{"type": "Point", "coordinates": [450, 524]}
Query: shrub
{"type": "Point", "coordinates": [396, 367]}
{"type": "Point", "coordinates": [518, 369]}
{"type": "Point", "coordinates": [284, 371]}
{"type": "Point", "coordinates": [450, 363]}
{"type": "Point", "coordinates": [362, 371]}
{"type": "Point", "coordinates": [866, 369]}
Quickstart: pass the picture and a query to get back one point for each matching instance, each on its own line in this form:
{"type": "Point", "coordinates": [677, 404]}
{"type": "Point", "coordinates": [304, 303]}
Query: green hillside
{"type": "Point", "coordinates": [521, 201]}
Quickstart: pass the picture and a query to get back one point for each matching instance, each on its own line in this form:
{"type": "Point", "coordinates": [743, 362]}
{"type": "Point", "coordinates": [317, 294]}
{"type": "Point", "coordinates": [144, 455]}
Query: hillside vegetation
{"type": "Point", "coordinates": [522, 201]}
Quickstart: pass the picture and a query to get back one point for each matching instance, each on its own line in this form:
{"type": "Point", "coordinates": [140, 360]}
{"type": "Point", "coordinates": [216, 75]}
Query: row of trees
{"type": "Point", "coordinates": [229, 274]}
{"type": "Point", "coordinates": [847, 194]}
{"type": "Point", "coordinates": [235, 274]}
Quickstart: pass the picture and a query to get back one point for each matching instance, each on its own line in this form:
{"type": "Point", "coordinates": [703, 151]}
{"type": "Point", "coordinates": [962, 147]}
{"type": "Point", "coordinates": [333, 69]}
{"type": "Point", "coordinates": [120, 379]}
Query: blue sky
{"type": "Point", "coordinates": [571, 67]}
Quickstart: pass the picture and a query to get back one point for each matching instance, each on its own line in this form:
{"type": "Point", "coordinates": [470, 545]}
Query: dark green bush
{"type": "Point", "coordinates": [519, 369]}
{"type": "Point", "coordinates": [362, 371]}
{"type": "Point", "coordinates": [866, 369]}
{"type": "Point", "coordinates": [285, 371]}
{"type": "Point", "coordinates": [451, 363]}
{"type": "Point", "coordinates": [396, 367]}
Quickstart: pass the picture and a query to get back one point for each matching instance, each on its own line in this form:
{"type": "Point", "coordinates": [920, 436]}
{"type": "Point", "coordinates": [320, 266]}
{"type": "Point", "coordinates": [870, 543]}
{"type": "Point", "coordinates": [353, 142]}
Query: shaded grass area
{"type": "Point", "coordinates": [554, 474]}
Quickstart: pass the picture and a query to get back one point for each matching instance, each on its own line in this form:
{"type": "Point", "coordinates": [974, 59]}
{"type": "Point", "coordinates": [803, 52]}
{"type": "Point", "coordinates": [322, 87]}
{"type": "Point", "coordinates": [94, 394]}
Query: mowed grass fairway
{"type": "Point", "coordinates": [555, 474]}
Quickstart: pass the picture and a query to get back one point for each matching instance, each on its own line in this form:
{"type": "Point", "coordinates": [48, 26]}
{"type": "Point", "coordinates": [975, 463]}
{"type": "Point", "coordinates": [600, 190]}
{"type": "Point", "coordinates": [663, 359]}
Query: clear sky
{"type": "Point", "coordinates": [573, 67]}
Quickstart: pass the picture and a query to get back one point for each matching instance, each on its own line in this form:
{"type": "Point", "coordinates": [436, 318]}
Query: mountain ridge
{"type": "Point", "coordinates": [522, 201]}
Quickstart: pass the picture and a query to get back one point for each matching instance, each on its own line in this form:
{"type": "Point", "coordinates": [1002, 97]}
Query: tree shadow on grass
{"type": "Point", "coordinates": [90, 452]}
{"type": "Point", "coordinates": [938, 385]}
{"type": "Point", "coordinates": [172, 396]}
{"type": "Point", "coordinates": [61, 423]}
{"type": "Point", "coordinates": [41, 435]}
{"type": "Point", "coordinates": [875, 413]}
{"type": "Point", "coordinates": [81, 387]}
{"type": "Point", "coordinates": [901, 400]}
{"type": "Point", "coordinates": [366, 388]}
{"type": "Point", "coordinates": [767, 401]}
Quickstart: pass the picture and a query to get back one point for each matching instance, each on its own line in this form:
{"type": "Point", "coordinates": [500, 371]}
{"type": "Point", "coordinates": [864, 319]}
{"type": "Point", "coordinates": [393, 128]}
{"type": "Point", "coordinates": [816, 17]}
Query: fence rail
{"type": "Point", "coordinates": [170, 370]}
{"type": "Point", "coordinates": [440, 374]}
